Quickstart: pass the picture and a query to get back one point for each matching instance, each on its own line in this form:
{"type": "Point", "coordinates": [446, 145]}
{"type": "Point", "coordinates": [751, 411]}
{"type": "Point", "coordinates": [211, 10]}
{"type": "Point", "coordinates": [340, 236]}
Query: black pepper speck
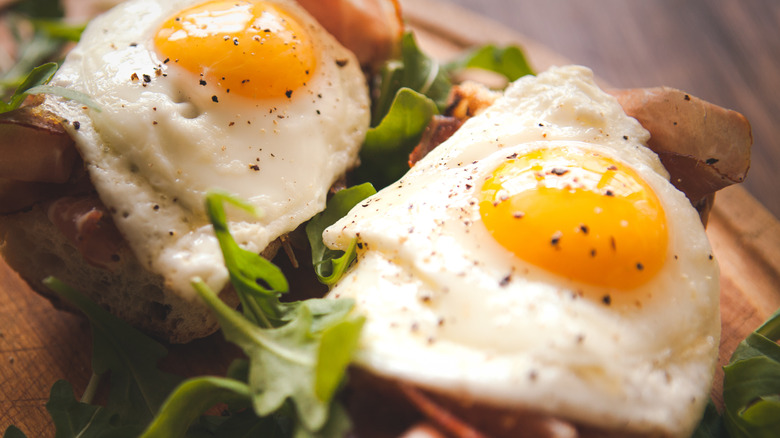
{"type": "Point", "coordinates": [556, 238]}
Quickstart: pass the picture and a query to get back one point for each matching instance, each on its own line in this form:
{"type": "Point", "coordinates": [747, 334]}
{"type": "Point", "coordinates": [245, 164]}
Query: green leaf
{"type": "Point", "coordinates": [67, 93]}
{"type": "Point", "coordinates": [49, 36]}
{"type": "Point", "coordinates": [40, 8]}
{"type": "Point", "coordinates": [385, 153]}
{"type": "Point", "coordinates": [138, 388]}
{"type": "Point", "coordinates": [57, 29]}
{"type": "Point", "coordinates": [334, 355]}
{"type": "Point", "coordinates": [32, 53]}
{"type": "Point", "coordinates": [508, 61]}
{"type": "Point", "coordinates": [711, 425]}
{"type": "Point", "coordinates": [284, 362]}
{"type": "Point", "coordinates": [76, 419]}
{"type": "Point", "coordinates": [415, 70]}
{"type": "Point", "coordinates": [330, 265]}
{"type": "Point", "coordinates": [338, 425]}
{"type": "Point", "coordinates": [254, 278]}
{"type": "Point", "coordinates": [192, 398]}
{"type": "Point", "coordinates": [38, 76]}
{"type": "Point", "coordinates": [751, 384]}
{"type": "Point", "coordinates": [70, 416]}
{"type": "Point", "coordinates": [13, 432]}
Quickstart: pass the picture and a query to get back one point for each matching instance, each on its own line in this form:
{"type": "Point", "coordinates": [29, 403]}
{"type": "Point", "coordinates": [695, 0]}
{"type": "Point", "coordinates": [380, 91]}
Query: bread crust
{"type": "Point", "coordinates": [33, 247]}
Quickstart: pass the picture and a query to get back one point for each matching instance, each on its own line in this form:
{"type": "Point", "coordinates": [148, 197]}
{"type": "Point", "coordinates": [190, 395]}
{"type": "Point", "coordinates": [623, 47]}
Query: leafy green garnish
{"type": "Point", "coordinates": [76, 419]}
{"type": "Point", "coordinates": [49, 35]}
{"type": "Point", "coordinates": [415, 70]}
{"type": "Point", "coordinates": [285, 361]}
{"type": "Point", "coordinates": [45, 43]}
{"type": "Point", "coordinates": [711, 424]}
{"type": "Point", "coordinates": [138, 388]}
{"type": "Point", "coordinates": [40, 8]}
{"type": "Point", "coordinates": [58, 30]}
{"type": "Point", "coordinates": [385, 154]}
{"type": "Point", "coordinates": [38, 76]}
{"type": "Point", "coordinates": [508, 61]}
{"type": "Point", "coordinates": [250, 274]}
{"type": "Point", "coordinates": [411, 90]}
{"type": "Point", "coordinates": [751, 384]}
{"type": "Point", "coordinates": [329, 264]}
{"type": "Point", "coordinates": [35, 83]}
{"type": "Point", "coordinates": [191, 399]}
{"type": "Point", "coordinates": [751, 389]}
{"type": "Point", "coordinates": [67, 93]}
{"type": "Point", "coordinates": [295, 363]}
{"type": "Point", "coordinates": [13, 432]}
{"type": "Point", "coordinates": [297, 352]}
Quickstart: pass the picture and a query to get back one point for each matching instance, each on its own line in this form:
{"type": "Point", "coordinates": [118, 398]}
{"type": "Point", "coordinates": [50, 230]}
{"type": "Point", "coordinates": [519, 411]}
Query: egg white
{"type": "Point", "coordinates": [449, 309]}
{"type": "Point", "coordinates": [160, 141]}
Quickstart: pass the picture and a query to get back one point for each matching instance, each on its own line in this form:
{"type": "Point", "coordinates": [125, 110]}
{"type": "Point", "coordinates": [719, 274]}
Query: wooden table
{"type": "Point", "coordinates": [724, 51]}
{"type": "Point", "coordinates": [39, 345]}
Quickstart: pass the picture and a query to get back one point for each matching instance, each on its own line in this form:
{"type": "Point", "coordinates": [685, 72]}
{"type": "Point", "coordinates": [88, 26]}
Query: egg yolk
{"type": "Point", "coordinates": [577, 214]}
{"type": "Point", "coordinates": [251, 48]}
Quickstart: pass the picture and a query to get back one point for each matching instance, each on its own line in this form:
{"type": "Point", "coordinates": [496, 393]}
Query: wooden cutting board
{"type": "Point", "coordinates": [40, 345]}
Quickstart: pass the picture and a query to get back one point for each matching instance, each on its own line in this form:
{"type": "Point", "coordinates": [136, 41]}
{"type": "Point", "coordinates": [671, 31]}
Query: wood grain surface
{"type": "Point", "coordinates": [39, 344]}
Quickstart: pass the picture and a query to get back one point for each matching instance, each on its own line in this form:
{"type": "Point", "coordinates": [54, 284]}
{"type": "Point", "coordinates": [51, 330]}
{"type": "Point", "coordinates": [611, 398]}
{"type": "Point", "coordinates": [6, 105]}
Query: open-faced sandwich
{"type": "Point", "coordinates": [538, 274]}
{"type": "Point", "coordinates": [254, 98]}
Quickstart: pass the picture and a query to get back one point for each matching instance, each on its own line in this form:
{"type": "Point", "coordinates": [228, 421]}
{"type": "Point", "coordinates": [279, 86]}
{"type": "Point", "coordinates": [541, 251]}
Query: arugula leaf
{"type": "Point", "coordinates": [138, 387]}
{"type": "Point", "coordinates": [508, 61]}
{"type": "Point", "coordinates": [285, 362]}
{"type": "Point", "coordinates": [58, 30]}
{"type": "Point", "coordinates": [76, 419]}
{"type": "Point", "coordinates": [32, 53]}
{"type": "Point", "coordinates": [330, 265]}
{"type": "Point", "coordinates": [38, 76]}
{"type": "Point", "coordinates": [40, 8]}
{"type": "Point", "coordinates": [67, 93]}
{"type": "Point", "coordinates": [190, 400]}
{"type": "Point", "coordinates": [751, 384]}
{"type": "Point", "coordinates": [49, 36]}
{"type": "Point", "coordinates": [414, 70]}
{"type": "Point", "coordinates": [338, 425]}
{"type": "Point", "coordinates": [411, 90]}
{"type": "Point", "coordinates": [384, 156]}
{"type": "Point", "coordinates": [13, 432]}
{"type": "Point", "coordinates": [711, 424]}
{"type": "Point", "coordinates": [251, 275]}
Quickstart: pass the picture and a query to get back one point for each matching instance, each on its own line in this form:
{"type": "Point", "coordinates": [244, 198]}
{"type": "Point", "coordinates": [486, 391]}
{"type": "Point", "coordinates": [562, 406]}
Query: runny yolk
{"type": "Point", "coordinates": [577, 214]}
{"type": "Point", "coordinates": [251, 48]}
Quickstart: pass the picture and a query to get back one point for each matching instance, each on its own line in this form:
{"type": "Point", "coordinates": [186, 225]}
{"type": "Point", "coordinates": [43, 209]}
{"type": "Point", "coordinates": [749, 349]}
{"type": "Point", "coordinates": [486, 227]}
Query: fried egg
{"type": "Point", "coordinates": [540, 259]}
{"type": "Point", "coordinates": [251, 97]}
